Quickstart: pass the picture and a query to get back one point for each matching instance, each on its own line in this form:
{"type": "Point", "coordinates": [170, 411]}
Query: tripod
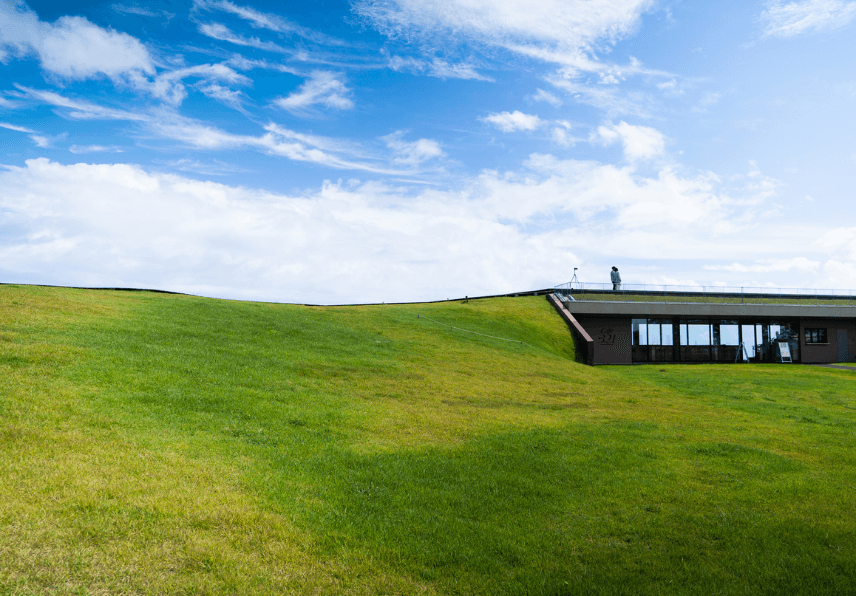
{"type": "Point", "coordinates": [574, 279]}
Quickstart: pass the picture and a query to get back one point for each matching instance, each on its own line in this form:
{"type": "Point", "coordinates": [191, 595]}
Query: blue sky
{"type": "Point", "coordinates": [396, 150]}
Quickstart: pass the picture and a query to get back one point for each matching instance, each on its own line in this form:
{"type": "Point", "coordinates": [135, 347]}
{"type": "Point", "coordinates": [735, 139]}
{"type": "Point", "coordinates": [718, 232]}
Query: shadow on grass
{"type": "Point", "coordinates": [586, 510]}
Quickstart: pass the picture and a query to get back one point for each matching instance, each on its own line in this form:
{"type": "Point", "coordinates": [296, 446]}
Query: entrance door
{"type": "Point", "coordinates": [843, 352]}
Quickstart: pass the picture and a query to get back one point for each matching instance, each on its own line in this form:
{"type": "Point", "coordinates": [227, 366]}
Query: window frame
{"type": "Point", "coordinates": [815, 340]}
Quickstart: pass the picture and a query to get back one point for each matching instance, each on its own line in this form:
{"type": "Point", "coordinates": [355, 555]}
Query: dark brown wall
{"type": "Point", "coordinates": [851, 340]}
{"type": "Point", "coordinates": [818, 354]}
{"type": "Point", "coordinates": [612, 339]}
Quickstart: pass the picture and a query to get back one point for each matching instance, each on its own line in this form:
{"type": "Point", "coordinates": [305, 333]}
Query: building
{"type": "Point", "coordinates": [638, 326]}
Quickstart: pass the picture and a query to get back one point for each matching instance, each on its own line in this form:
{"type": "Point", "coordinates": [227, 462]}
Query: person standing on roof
{"type": "Point", "coordinates": [616, 279]}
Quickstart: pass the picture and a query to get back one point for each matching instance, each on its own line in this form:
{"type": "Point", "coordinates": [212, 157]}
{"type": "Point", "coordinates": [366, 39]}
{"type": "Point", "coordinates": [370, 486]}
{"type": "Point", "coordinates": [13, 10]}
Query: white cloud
{"type": "Point", "coordinates": [512, 121]}
{"type": "Point", "coordinates": [72, 47]}
{"type": "Point", "coordinates": [167, 124]}
{"type": "Point", "coordinates": [168, 86]}
{"type": "Point", "coordinates": [548, 97]}
{"type": "Point", "coordinates": [839, 241]}
{"type": "Point", "coordinates": [322, 87]}
{"type": "Point", "coordinates": [265, 20]}
{"type": "Point", "coordinates": [670, 86]}
{"type": "Point", "coordinates": [793, 18]}
{"type": "Point", "coordinates": [77, 149]}
{"type": "Point", "coordinates": [115, 225]}
{"type": "Point", "coordinates": [140, 11]}
{"type": "Point", "coordinates": [41, 141]}
{"type": "Point", "coordinates": [5, 103]}
{"type": "Point", "coordinates": [223, 33]}
{"type": "Point", "coordinates": [555, 30]}
{"type": "Point", "coordinates": [436, 67]}
{"type": "Point", "coordinates": [224, 95]}
{"type": "Point", "coordinates": [15, 127]}
{"type": "Point", "coordinates": [609, 98]}
{"type": "Point", "coordinates": [276, 141]}
{"type": "Point", "coordinates": [80, 109]}
{"type": "Point", "coordinates": [640, 142]}
{"type": "Point", "coordinates": [412, 153]}
{"type": "Point", "coordinates": [798, 264]}
{"type": "Point", "coordinates": [562, 134]}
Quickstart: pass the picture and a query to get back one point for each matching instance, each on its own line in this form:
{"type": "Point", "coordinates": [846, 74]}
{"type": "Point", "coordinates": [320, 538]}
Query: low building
{"type": "Point", "coordinates": [636, 326]}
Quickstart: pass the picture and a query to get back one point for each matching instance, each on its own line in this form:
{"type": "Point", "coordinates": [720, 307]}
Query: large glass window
{"type": "Point", "coordinates": [725, 336]}
{"type": "Point", "coordinates": [695, 340]}
{"type": "Point", "coordinates": [666, 332]}
{"type": "Point", "coordinates": [729, 333]}
{"type": "Point", "coordinates": [661, 338]}
{"type": "Point", "coordinates": [698, 333]}
{"type": "Point", "coordinates": [718, 340]}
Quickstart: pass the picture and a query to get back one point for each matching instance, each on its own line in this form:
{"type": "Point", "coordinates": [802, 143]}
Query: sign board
{"type": "Point", "coordinates": [785, 351]}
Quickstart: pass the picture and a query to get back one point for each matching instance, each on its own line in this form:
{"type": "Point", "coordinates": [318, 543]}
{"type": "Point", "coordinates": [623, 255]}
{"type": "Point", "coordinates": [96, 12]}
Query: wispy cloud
{"type": "Point", "coordinates": [436, 67]}
{"type": "Point", "coordinates": [16, 127]}
{"type": "Point", "coordinates": [84, 149]}
{"type": "Point", "coordinates": [168, 85]}
{"type": "Point", "coordinates": [560, 26]}
{"type": "Point", "coordinates": [610, 98]}
{"type": "Point", "coordinates": [79, 109]}
{"type": "Point", "coordinates": [141, 11]}
{"type": "Point", "coordinates": [9, 105]}
{"type": "Point", "coordinates": [214, 167]}
{"type": "Point", "coordinates": [223, 33]}
{"type": "Point", "coordinates": [39, 139]}
{"type": "Point", "coordinates": [412, 153]}
{"type": "Point", "coordinates": [547, 97]}
{"type": "Point", "coordinates": [800, 264]}
{"type": "Point", "coordinates": [793, 18]}
{"type": "Point", "coordinates": [167, 124]}
{"type": "Point", "coordinates": [323, 87]}
{"type": "Point", "coordinates": [266, 20]}
{"type": "Point", "coordinates": [277, 140]}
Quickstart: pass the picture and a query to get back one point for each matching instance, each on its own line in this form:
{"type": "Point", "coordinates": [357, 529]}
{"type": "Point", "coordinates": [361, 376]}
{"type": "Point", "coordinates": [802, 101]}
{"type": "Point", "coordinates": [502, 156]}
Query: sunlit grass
{"type": "Point", "coordinates": [169, 444]}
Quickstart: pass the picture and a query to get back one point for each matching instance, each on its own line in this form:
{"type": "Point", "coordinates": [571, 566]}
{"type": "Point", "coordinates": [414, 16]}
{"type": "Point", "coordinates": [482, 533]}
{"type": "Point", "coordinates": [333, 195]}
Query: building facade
{"type": "Point", "coordinates": [638, 332]}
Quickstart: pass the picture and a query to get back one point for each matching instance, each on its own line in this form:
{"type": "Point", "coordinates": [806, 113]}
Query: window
{"type": "Point", "coordinates": [699, 333]}
{"type": "Point", "coordinates": [815, 336]}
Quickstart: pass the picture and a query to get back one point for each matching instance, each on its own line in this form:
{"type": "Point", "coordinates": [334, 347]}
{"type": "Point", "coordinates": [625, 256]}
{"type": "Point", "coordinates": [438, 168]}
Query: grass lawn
{"type": "Point", "coordinates": [161, 444]}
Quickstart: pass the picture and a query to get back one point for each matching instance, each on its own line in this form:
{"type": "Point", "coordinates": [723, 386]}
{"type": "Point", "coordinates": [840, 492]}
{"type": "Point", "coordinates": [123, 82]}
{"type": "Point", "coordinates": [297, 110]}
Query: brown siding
{"type": "Point", "coordinates": [818, 354]}
{"type": "Point", "coordinates": [851, 337]}
{"type": "Point", "coordinates": [612, 339]}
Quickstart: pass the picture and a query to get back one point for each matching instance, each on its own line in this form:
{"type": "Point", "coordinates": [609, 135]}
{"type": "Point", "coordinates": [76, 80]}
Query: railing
{"type": "Point", "coordinates": [714, 294]}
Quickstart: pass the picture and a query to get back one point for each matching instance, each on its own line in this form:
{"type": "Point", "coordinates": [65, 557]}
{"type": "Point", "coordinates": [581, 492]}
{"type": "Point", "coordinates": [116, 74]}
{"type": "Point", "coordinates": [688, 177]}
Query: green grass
{"type": "Point", "coordinates": [158, 444]}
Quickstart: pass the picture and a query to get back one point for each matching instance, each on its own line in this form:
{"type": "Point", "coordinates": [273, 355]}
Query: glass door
{"type": "Point", "coordinates": [753, 342]}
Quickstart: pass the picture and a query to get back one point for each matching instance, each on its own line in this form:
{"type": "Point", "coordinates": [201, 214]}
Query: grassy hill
{"type": "Point", "coordinates": [161, 444]}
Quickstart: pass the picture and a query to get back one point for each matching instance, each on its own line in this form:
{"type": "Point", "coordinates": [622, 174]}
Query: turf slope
{"type": "Point", "coordinates": [154, 444]}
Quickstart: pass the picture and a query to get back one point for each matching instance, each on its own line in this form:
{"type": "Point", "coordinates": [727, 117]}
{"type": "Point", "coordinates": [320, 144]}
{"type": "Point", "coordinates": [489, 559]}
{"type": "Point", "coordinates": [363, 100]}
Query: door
{"type": "Point", "coordinates": [843, 352]}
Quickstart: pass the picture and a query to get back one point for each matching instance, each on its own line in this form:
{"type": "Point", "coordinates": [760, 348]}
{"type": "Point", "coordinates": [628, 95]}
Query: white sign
{"type": "Point", "coordinates": [785, 351]}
